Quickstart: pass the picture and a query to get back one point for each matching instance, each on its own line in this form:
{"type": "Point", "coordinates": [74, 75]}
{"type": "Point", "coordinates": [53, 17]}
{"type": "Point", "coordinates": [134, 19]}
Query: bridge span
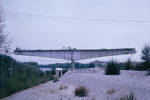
{"type": "Point", "coordinates": [75, 54]}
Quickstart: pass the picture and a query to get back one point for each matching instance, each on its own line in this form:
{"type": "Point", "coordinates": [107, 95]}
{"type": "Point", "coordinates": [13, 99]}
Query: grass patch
{"type": "Point", "coordinates": [129, 97]}
{"type": "Point", "coordinates": [63, 87]}
{"type": "Point", "coordinates": [55, 80]}
{"type": "Point", "coordinates": [111, 91]}
{"type": "Point", "coordinates": [81, 91]}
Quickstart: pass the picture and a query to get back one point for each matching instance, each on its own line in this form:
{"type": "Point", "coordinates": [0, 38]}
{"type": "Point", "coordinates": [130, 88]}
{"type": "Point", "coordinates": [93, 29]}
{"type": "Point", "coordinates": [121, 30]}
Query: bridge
{"type": "Point", "coordinates": [75, 54]}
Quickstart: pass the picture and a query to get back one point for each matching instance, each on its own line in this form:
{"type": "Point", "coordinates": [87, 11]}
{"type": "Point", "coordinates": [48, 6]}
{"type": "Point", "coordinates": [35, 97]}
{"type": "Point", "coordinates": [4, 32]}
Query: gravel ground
{"type": "Point", "coordinates": [97, 83]}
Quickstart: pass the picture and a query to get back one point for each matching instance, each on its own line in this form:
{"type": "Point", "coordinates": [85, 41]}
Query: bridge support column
{"type": "Point", "coordinates": [72, 65]}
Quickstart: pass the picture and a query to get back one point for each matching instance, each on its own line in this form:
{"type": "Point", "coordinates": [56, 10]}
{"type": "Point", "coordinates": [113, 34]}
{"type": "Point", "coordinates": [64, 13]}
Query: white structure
{"type": "Point", "coordinates": [45, 69]}
{"type": "Point", "coordinates": [57, 70]}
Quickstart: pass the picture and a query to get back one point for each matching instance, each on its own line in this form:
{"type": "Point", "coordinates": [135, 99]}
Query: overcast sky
{"type": "Point", "coordinates": [114, 24]}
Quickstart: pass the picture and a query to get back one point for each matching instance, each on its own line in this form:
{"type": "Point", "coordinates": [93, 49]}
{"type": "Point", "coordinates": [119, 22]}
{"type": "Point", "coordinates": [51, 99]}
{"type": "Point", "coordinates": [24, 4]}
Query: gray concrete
{"type": "Point", "coordinates": [72, 65]}
{"type": "Point", "coordinates": [76, 54]}
{"type": "Point", "coordinates": [57, 70]}
{"type": "Point", "coordinates": [56, 74]}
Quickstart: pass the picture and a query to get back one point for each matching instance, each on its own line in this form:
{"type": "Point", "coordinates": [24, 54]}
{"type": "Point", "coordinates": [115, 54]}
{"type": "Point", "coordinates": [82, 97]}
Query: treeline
{"type": "Point", "coordinates": [122, 65]}
{"type": "Point", "coordinates": [113, 67]}
{"type": "Point", "coordinates": [128, 65]}
{"type": "Point", "coordinates": [67, 65]}
{"type": "Point", "coordinates": [16, 76]}
{"type": "Point", "coordinates": [144, 65]}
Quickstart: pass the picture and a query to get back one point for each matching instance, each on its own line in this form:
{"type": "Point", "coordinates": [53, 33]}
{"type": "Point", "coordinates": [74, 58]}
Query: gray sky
{"type": "Point", "coordinates": [35, 32]}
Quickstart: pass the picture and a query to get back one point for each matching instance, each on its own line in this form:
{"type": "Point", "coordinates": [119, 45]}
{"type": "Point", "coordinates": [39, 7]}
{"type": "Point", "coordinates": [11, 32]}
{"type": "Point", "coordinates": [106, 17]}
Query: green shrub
{"type": "Point", "coordinates": [127, 65]}
{"type": "Point", "coordinates": [145, 57]}
{"type": "Point", "coordinates": [63, 87]}
{"type": "Point", "coordinates": [129, 97]}
{"type": "Point", "coordinates": [64, 71]}
{"type": "Point", "coordinates": [139, 66]}
{"type": "Point", "coordinates": [55, 80]}
{"type": "Point", "coordinates": [53, 72]}
{"type": "Point", "coordinates": [111, 91]}
{"type": "Point", "coordinates": [91, 66]}
{"type": "Point", "coordinates": [81, 91]}
{"type": "Point", "coordinates": [112, 68]}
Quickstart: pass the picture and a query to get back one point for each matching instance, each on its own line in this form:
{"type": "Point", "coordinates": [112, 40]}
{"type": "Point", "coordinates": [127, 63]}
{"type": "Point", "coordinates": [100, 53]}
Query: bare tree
{"type": "Point", "coordinates": [4, 41]}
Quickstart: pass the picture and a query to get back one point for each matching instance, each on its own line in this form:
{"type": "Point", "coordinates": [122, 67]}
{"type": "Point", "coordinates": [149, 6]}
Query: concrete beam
{"type": "Point", "coordinates": [75, 54]}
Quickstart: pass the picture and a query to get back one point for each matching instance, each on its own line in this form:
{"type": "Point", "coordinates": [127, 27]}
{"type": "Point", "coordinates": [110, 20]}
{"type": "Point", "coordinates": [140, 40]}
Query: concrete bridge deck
{"type": "Point", "coordinates": [76, 54]}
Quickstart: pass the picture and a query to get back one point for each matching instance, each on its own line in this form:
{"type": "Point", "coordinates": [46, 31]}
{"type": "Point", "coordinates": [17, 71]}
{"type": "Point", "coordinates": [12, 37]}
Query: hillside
{"type": "Point", "coordinates": [97, 83]}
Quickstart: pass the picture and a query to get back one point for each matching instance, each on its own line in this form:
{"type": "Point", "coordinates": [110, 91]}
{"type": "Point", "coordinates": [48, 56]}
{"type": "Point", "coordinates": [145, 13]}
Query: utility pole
{"type": "Point", "coordinates": [67, 64]}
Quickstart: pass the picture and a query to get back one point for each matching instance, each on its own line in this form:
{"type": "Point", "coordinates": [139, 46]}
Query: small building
{"type": "Point", "coordinates": [58, 72]}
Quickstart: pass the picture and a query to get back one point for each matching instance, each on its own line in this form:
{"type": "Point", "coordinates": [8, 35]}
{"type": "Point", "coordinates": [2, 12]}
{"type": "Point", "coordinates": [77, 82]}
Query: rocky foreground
{"type": "Point", "coordinates": [100, 86]}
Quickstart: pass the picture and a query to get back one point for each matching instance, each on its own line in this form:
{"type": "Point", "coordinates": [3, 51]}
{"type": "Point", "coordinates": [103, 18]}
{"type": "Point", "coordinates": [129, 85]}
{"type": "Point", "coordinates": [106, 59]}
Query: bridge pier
{"type": "Point", "coordinates": [72, 65]}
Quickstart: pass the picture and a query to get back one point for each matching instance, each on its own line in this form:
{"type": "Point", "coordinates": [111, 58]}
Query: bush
{"type": "Point", "coordinates": [112, 68]}
{"type": "Point", "coordinates": [139, 67]}
{"type": "Point", "coordinates": [81, 91]}
{"type": "Point", "coordinates": [129, 97]}
{"type": "Point", "coordinates": [53, 72]}
{"type": "Point", "coordinates": [64, 71]}
{"type": "Point", "coordinates": [63, 87]}
{"type": "Point", "coordinates": [111, 91]}
{"type": "Point", "coordinates": [146, 56]}
{"type": "Point", "coordinates": [91, 66]}
{"type": "Point", "coordinates": [55, 80]}
{"type": "Point", "coordinates": [127, 65]}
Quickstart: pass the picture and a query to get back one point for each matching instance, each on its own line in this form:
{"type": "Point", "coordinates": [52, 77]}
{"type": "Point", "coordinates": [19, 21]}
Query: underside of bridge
{"type": "Point", "coordinates": [77, 54]}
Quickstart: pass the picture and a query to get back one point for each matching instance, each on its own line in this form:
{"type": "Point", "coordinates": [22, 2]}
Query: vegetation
{"type": "Point", "coordinates": [111, 91]}
{"type": "Point", "coordinates": [144, 65]}
{"type": "Point", "coordinates": [91, 66]}
{"type": "Point", "coordinates": [112, 68]}
{"type": "Point", "coordinates": [77, 65]}
{"type": "Point", "coordinates": [146, 56]}
{"type": "Point", "coordinates": [4, 41]}
{"type": "Point", "coordinates": [16, 76]}
{"type": "Point", "coordinates": [63, 87]}
{"type": "Point", "coordinates": [64, 71]}
{"type": "Point", "coordinates": [67, 65]}
{"type": "Point", "coordinates": [127, 65]}
{"type": "Point", "coordinates": [24, 75]}
{"type": "Point", "coordinates": [137, 66]}
{"type": "Point", "coordinates": [52, 72]}
{"type": "Point", "coordinates": [81, 91]}
{"type": "Point", "coordinates": [55, 80]}
{"type": "Point", "coordinates": [129, 97]}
